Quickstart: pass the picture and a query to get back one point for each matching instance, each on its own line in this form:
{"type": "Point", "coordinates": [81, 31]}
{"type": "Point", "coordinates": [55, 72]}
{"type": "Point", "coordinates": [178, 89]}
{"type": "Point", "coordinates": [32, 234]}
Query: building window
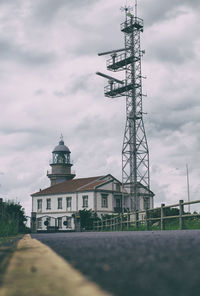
{"type": "Point", "coordinates": [85, 201]}
{"type": "Point", "coordinates": [39, 223]}
{"type": "Point", "coordinates": [60, 222]}
{"type": "Point", "coordinates": [146, 203]}
{"type": "Point", "coordinates": [39, 204]}
{"type": "Point", "coordinates": [69, 203]}
{"type": "Point", "coordinates": [117, 187]}
{"type": "Point", "coordinates": [104, 200]}
{"type": "Point", "coordinates": [47, 222]}
{"type": "Point", "coordinates": [132, 204]}
{"type": "Point", "coordinates": [60, 203]}
{"type": "Point", "coordinates": [48, 204]}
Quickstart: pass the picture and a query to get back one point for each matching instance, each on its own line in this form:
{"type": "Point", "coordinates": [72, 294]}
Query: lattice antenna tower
{"type": "Point", "coordinates": [135, 152]}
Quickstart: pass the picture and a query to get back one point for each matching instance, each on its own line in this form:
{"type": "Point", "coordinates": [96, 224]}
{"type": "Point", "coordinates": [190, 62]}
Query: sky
{"type": "Point", "coordinates": [48, 86]}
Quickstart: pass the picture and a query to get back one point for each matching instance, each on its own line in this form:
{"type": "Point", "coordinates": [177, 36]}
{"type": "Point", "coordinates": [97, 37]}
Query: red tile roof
{"type": "Point", "coordinates": [73, 185]}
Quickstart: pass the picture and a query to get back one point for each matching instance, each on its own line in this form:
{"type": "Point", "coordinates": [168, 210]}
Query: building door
{"type": "Point", "coordinates": [60, 222]}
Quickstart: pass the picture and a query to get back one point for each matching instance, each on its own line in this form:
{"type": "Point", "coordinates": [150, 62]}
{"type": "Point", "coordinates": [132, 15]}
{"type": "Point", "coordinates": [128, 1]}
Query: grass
{"type": "Point", "coordinates": [7, 228]}
{"type": "Point", "coordinates": [8, 239]}
{"type": "Point", "coordinates": [192, 223]}
{"type": "Point", "coordinates": [173, 224]}
{"type": "Point", "coordinates": [7, 246]}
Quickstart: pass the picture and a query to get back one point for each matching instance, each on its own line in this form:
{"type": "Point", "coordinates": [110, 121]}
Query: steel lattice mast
{"type": "Point", "coordinates": [135, 153]}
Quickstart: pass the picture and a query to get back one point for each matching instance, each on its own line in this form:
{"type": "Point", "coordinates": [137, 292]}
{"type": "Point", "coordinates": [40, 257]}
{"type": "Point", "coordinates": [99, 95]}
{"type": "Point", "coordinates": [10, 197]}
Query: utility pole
{"type": "Point", "coordinates": [188, 186]}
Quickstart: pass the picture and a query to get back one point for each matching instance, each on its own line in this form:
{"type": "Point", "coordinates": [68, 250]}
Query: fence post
{"type": "Point", "coordinates": [121, 222]}
{"type": "Point", "coordinates": [162, 215]}
{"type": "Point", "coordinates": [146, 219]}
{"type": "Point", "coordinates": [136, 220]}
{"type": "Point", "coordinates": [106, 225]}
{"type": "Point", "coordinates": [181, 211]}
{"type": "Point", "coordinates": [128, 221]}
{"type": "Point", "coordinates": [33, 222]}
{"type": "Point", "coordinates": [1, 208]}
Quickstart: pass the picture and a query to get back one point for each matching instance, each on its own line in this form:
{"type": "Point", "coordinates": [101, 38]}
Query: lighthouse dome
{"type": "Point", "coordinates": [61, 147]}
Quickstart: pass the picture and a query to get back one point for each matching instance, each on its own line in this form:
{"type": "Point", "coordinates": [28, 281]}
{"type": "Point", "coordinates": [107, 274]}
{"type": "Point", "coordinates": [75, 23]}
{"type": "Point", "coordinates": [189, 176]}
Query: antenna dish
{"type": "Point", "coordinates": [109, 77]}
{"type": "Point", "coordinates": [111, 51]}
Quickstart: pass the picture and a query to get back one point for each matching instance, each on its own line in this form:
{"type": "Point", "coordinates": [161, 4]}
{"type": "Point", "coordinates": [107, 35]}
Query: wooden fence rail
{"type": "Point", "coordinates": [127, 221]}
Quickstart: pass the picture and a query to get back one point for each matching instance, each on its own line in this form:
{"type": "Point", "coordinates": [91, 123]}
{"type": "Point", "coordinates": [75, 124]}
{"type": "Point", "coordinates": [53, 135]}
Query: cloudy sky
{"type": "Point", "coordinates": [48, 86]}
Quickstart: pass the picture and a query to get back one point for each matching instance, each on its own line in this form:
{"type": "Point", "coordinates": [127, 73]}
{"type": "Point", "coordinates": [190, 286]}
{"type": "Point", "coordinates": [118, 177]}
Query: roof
{"type": "Point", "coordinates": [61, 148]}
{"type": "Point", "coordinates": [73, 185]}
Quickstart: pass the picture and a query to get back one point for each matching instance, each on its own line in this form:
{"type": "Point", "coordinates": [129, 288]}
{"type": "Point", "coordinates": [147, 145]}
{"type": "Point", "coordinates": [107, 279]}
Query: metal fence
{"type": "Point", "coordinates": [145, 219]}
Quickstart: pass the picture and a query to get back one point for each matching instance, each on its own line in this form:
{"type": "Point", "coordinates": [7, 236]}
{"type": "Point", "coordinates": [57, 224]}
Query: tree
{"type": "Point", "coordinates": [87, 218]}
{"type": "Point", "coordinates": [12, 218]}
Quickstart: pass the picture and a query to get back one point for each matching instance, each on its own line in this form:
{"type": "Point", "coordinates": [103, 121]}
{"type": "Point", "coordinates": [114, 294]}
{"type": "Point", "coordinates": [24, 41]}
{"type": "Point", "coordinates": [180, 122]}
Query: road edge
{"type": "Point", "coordinates": [36, 269]}
{"type": "Point", "coordinates": [7, 247]}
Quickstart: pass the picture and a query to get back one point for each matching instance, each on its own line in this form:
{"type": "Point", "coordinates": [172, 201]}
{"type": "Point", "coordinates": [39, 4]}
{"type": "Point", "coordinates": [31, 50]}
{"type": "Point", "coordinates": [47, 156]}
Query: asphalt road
{"type": "Point", "coordinates": [134, 263]}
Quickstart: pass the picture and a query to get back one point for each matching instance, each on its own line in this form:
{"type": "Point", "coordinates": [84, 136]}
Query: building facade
{"type": "Point", "coordinates": [56, 207]}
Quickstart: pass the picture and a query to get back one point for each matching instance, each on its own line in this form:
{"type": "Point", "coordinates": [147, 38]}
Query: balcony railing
{"type": "Point", "coordinates": [133, 22]}
{"type": "Point", "coordinates": [121, 60]}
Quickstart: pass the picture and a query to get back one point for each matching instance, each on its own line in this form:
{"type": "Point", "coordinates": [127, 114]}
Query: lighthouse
{"type": "Point", "coordinates": [60, 164]}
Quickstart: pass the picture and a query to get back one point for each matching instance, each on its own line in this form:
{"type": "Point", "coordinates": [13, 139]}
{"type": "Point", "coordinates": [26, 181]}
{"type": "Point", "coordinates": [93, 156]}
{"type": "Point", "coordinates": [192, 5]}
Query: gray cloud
{"type": "Point", "coordinates": [8, 2]}
{"type": "Point", "coordinates": [172, 52]}
{"type": "Point", "coordinates": [65, 96]}
{"type": "Point", "coordinates": [47, 10]}
{"type": "Point", "coordinates": [157, 11]}
{"type": "Point", "coordinates": [12, 51]}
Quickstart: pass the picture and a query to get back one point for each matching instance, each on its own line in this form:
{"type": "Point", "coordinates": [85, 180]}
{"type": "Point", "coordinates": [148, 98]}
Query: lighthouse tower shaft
{"type": "Point", "coordinates": [135, 152]}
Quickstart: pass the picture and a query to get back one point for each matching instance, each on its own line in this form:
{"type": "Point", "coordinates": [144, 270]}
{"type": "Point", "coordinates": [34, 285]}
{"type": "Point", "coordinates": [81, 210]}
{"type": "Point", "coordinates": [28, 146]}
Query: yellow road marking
{"type": "Point", "coordinates": [36, 270]}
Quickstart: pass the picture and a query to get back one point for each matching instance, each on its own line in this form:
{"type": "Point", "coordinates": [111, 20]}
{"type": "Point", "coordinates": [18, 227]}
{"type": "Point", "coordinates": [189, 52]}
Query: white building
{"type": "Point", "coordinates": [57, 205]}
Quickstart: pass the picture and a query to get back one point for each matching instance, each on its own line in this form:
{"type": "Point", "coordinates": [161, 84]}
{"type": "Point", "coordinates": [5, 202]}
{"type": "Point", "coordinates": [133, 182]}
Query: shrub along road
{"type": "Point", "coordinates": [134, 263]}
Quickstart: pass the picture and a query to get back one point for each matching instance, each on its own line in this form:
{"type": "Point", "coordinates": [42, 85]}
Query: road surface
{"type": "Point", "coordinates": [134, 263]}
